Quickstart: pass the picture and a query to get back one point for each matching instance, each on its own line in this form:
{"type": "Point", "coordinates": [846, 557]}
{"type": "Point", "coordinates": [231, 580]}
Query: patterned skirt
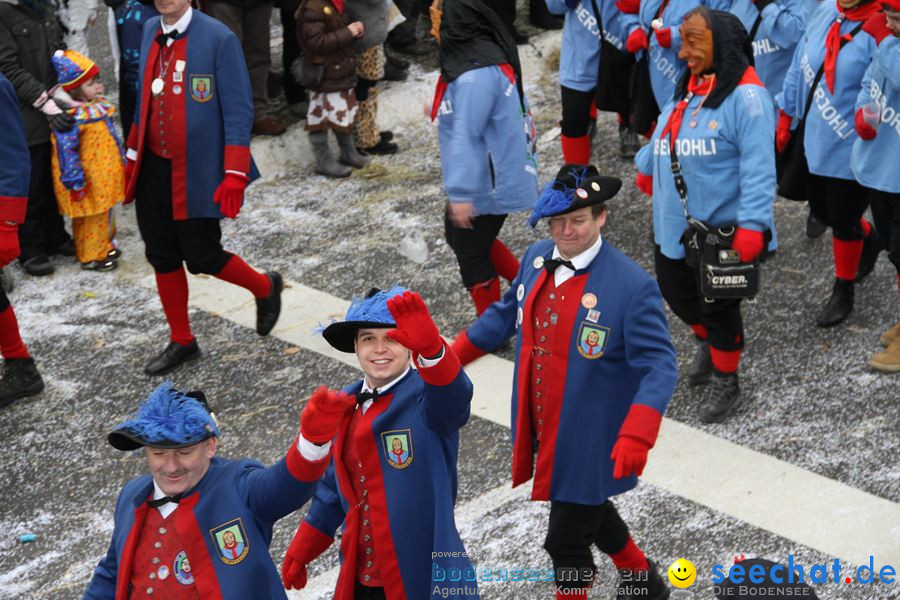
{"type": "Point", "coordinates": [331, 110]}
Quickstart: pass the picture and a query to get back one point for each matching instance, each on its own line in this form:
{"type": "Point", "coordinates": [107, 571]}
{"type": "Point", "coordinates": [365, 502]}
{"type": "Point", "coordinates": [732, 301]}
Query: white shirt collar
{"type": "Point", "coordinates": [181, 24]}
{"type": "Point", "coordinates": [165, 509]}
{"type": "Point", "coordinates": [388, 385]}
{"type": "Point", "coordinates": [582, 260]}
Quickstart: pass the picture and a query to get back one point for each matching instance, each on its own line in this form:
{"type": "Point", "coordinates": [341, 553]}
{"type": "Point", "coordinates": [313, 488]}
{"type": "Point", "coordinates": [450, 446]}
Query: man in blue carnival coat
{"type": "Point", "coordinates": [199, 526]}
{"type": "Point", "coordinates": [189, 164]}
{"type": "Point", "coordinates": [392, 481]}
{"type": "Point", "coordinates": [20, 375]}
{"type": "Point", "coordinates": [595, 369]}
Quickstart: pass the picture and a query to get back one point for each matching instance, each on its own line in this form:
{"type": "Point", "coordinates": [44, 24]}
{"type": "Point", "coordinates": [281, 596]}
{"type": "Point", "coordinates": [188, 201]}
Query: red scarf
{"type": "Point", "coordinates": [696, 87]}
{"type": "Point", "coordinates": [339, 5]}
{"type": "Point", "coordinates": [441, 87]}
{"type": "Point", "coordinates": [833, 40]}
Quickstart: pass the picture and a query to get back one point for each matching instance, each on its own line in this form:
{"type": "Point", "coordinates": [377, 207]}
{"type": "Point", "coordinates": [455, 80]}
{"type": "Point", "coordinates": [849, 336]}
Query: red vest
{"type": "Point", "coordinates": [366, 562]}
{"type": "Point", "coordinates": [159, 119]}
{"type": "Point", "coordinates": [544, 394]}
{"type": "Point", "coordinates": [160, 568]}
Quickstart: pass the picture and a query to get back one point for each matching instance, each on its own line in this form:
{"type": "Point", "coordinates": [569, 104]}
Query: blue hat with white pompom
{"type": "Point", "coordinates": [167, 419]}
{"type": "Point", "coordinates": [575, 186]}
{"type": "Point", "coordinates": [368, 312]}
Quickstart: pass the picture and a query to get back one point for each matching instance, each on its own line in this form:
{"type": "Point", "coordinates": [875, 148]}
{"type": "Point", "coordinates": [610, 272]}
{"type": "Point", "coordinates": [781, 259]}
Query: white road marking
{"type": "Point", "coordinates": [815, 511]}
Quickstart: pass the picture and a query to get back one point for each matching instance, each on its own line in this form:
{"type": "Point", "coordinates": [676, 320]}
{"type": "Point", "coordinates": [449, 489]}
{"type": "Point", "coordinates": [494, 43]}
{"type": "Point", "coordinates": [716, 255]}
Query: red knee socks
{"type": "Point", "coordinates": [504, 261]}
{"type": "Point", "coordinates": [484, 294]}
{"type": "Point", "coordinates": [11, 344]}
{"type": "Point", "coordinates": [173, 293]}
{"type": "Point", "coordinates": [630, 558]}
{"type": "Point", "coordinates": [847, 253]}
{"type": "Point", "coordinates": [725, 361]}
{"type": "Point", "coordinates": [576, 150]}
{"type": "Point", "coordinates": [700, 332]}
{"type": "Point", "coordinates": [238, 272]}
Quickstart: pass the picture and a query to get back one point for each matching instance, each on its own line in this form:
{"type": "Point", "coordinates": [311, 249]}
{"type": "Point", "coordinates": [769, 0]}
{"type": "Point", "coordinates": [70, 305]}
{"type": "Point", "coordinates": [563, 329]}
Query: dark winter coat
{"type": "Point", "coordinates": [27, 41]}
{"type": "Point", "coordinates": [324, 38]}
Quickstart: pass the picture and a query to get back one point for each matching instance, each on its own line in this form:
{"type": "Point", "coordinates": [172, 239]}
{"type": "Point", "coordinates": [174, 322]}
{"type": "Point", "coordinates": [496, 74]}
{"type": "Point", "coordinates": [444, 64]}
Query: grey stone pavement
{"type": "Point", "coordinates": [809, 398]}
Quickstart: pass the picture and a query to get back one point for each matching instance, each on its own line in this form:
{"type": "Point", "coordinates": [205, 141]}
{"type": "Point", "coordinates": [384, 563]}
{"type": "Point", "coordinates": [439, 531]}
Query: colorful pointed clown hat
{"type": "Point", "coordinates": [167, 419]}
{"type": "Point", "coordinates": [370, 312]}
{"type": "Point", "coordinates": [73, 68]}
{"type": "Point", "coordinates": [574, 187]}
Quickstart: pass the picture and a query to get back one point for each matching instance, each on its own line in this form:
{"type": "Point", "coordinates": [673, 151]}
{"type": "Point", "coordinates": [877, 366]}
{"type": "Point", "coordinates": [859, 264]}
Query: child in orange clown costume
{"type": "Point", "coordinates": [88, 162]}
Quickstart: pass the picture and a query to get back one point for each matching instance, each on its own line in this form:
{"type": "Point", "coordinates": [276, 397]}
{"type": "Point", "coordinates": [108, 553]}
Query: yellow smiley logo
{"type": "Point", "coordinates": [682, 573]}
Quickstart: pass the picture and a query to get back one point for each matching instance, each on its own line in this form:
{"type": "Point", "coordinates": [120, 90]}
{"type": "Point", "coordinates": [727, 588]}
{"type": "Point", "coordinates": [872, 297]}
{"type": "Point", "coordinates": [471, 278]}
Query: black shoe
{"type": "Point", "coordinates": [540, 16]}
{"type": "Point", "coordinates": [839, 306]}
{"type": "Point", "coordinates": [724, 397]}
{"type": "Point", "coordinates": [38, 266]}
{"type": "Point", "coordinates": [628, 142]}
{"type": "Point", "coordinates": [20, 379]}
{"type": "Point", "coordinates": [701, 368]}
{"type": "Point", "coordinates": [393, 73]}
{"type": "Point", "coordinates": [397, 62]}
{"type": "Point", "coordinates": [172, 357]}
{"type": "Point", "coordinates": [114, 254]}
{"type": "Point", "coordinates": [872, 247]}
{"type": "Point", "coordinates": [634, 585]}
{"type": "Point", "coordinates": [386, 136]}
{"type": "Point", "coordinates": [100, 265]}
{"type": "Point", "coordinates": [519, 37]}
{"type": "Point", "coordinates": [268, 308]}
{"type": "Point", "coordinates": [381, 148]}
{"type": "Point", "coordinates": [814, 227]}
{"type": "Point", "coordinates": [67, 248]}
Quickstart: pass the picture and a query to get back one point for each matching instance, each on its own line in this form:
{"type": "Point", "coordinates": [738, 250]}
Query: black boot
{"type": "Point", "coordinates": [814, 227]}
{"type": "Point", "coordinates": [872, 247]}
{"type": "Point", "coordinates": [20, 379]}
{"type": "Point", "coordinates": [839, 306]}
{"type": "Point", "coordinates": [628, 142]}
{"type": "Point", "coordinates": [172, 357]}
{"type": "Point", "coordinates": [635, 586]}
{"type": "Point", "coordinates": [541, 17]}
{"type": "Point", "coordinates": [269, 308]}
{"type": "Point", "coordinates": [724, 397]}
{"type": "Point", "coordinates": [701, 368]}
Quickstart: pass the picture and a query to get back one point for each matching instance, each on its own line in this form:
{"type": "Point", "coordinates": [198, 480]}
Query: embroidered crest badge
{"type": "Point", "coordinates": [398, 447]}
{"type": "Point", "coordinates": [592, 340]}
{"type": "Point", "coordinates": [231, 541]}
{"type": "Point", "coordinates": [202, 87]}
{"type": "Point", "coordinates": [182, 569]}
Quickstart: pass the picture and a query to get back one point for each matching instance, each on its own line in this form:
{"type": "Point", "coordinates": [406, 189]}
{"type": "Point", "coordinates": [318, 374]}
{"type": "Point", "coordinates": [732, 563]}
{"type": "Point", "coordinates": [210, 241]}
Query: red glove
{"type": "Point", "coordinates": [629, 7]}
{"type": "Point", "coordinates": [783, 131]}
{"type": "Point", "coordinates": [129, 173]}
{"type": "Point", "coordinates": [415, 329]}
{"type": "Point", "coordinates": [323, 414]}
{"type": "Point", "coordinates": [863, 129]}
{"type": "Point", "coordinates": [230, 194]}
{"type": "Point", "coordinates": [876, 26]}
{"type": "Point", "coordinates": [9, 243]}
{"type": "Point", "coordinates": [78, 195]}
{"type": "Point", "coordinates": [644, 183]}
{"type": "Point", "coordinates": [465, 350]}
{"type": "Point", "coordinates": [636, 41]}
{"type": "Point", "coordinates": [748, 243]}
{"type": "Point", "coordinates": [636, 436]}
{"type": "Point", "coordinates": [664, 36]}
{"type": "Point", "coordinates": [308, 543]}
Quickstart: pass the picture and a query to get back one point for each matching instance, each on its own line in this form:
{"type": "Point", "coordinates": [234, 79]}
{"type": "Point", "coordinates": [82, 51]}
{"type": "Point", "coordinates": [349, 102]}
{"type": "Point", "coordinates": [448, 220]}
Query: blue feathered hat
{"type": "Point", "coordinates": [369, 312]}
{"type": "Point", "coordinates": [167, 419]}
{"type": "Point", "coordinates": [575, 186]}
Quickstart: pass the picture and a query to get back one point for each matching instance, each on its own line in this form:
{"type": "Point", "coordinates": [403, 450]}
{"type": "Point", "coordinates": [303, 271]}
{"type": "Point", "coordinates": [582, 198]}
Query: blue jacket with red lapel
{"type": "Point", "coordinates": [636, 366]}
{"type": "Point", "coordinates": [230, 490]}
{"type": "Point", "coordinates": [211, 130]}
{"type": "Point", "coordinates": [15, 160]}
{"type": "Point", "coordinates": [412, 507]}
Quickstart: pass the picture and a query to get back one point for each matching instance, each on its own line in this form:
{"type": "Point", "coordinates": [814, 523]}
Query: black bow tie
{"type": "Point", "coordinates": [551, 263]}
{"type": "Point", "coordinates": [162, 39]}
{"type": "Point", "coordinates": [362, 397]}
{"type": "Point", "coordinates": [165, 499]}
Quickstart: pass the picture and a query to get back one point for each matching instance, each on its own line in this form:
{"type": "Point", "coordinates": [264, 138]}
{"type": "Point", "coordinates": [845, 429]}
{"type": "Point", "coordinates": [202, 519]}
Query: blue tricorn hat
{"type": "Point", "coordinates": [369, 312]}
{"type": "Point", "coordinates": [167, 419]}
{"type": "Point", "coordinates": [575, 186]}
